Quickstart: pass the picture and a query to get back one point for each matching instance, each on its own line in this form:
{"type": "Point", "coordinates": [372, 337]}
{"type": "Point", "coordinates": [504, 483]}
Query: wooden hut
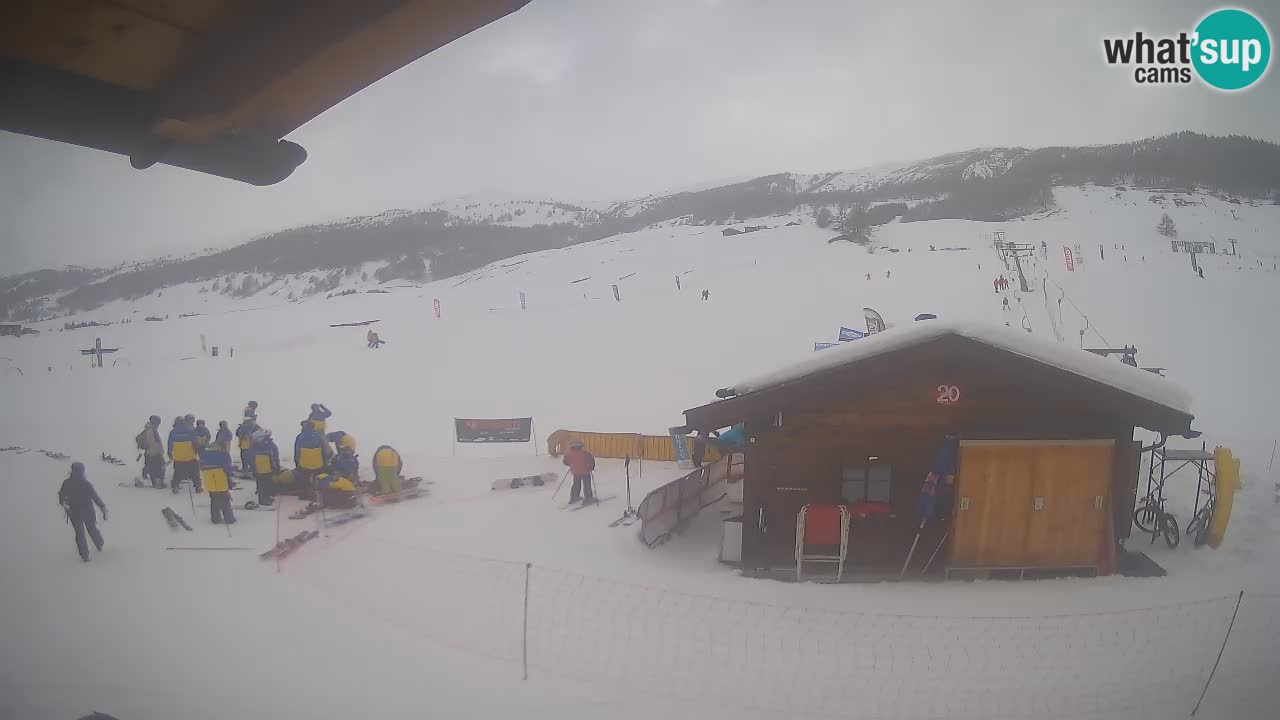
{"type": "Point", "coordinates": [1047, 465]}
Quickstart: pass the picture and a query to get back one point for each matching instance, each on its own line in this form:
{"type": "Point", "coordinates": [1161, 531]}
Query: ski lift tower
{"type": "Point", "coordinates": [1017, 251]}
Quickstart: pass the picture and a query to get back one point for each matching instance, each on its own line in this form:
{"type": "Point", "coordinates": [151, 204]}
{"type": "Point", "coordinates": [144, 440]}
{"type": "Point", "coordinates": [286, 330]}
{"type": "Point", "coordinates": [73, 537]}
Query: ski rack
{"type": "Point", "coordinates": [1206, 478]}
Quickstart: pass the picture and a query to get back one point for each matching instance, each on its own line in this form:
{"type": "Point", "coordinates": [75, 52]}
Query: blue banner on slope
{"type": "Point", "coordinates": [847, 334]}
{"type": "Point", "coordinates": [679, 448]}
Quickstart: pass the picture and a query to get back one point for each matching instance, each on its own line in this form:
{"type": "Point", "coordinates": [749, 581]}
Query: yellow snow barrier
{"type": "Point", "coordinates": [1227, 475]}
{"type": "Point", "coordinates": [621, 445]}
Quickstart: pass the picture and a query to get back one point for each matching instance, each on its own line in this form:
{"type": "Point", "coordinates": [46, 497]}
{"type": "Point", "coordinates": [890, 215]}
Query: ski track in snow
{"type": "Point", "coordinates": [417, 609]}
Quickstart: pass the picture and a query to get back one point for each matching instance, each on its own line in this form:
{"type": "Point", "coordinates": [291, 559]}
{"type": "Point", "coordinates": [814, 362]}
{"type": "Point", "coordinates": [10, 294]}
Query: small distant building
{"type": "Point", "coordinates": [1193, 247]}
{"type": "Point", "coordinates": [7, 329]}
{"type": "Point", "coordinates": [730, 231]}
{"type": "Point", "coordinates": [753, 228]}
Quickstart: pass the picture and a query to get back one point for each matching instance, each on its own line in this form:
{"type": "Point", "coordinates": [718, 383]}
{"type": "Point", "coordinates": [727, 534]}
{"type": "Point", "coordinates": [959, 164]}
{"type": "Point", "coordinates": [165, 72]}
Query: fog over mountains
{"type": "Point", "coordinates": [452, 237]}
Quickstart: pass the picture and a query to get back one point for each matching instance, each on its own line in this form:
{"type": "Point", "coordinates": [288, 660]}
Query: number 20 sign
{"type": "Point", "coordinates": [948, 394]}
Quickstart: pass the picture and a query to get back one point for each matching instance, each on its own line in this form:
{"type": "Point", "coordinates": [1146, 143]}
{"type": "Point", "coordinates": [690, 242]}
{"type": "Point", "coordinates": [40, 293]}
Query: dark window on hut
{"type": "Point", "coordinates": [867, 479]}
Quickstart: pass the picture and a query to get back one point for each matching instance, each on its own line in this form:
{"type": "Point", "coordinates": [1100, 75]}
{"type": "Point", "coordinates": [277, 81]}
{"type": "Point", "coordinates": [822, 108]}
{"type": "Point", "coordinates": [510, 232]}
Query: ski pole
{"type": "Point", "coordinates": [911, 552]}
{"type": "Point", "coordinates": [562, 479]}
{"type": "Point", "coordinates": [191, 496]}
{"type": "Point", "coordinates": [936, 551]}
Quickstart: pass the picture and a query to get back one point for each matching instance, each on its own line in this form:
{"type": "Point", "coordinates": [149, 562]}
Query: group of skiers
{"type": "Point", "coordinates": [373, 340]}
{"type": "Point", "coordinates": [203, 458]}
{"type": "Point", "coordinates": [1000, 284]}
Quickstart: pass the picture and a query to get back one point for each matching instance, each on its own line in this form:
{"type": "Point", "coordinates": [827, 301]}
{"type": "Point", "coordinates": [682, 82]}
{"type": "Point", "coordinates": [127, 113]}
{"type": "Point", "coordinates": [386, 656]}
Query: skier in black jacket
{"type": "Point", "coordinates": [77, 497]}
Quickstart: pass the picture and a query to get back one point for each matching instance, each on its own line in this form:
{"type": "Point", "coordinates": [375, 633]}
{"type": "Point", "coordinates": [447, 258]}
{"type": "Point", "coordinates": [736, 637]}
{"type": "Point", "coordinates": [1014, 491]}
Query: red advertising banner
{"type": "Point", "coordinates": [1071, 263]}
{"type": "Point", "coordinates": [436, 303]}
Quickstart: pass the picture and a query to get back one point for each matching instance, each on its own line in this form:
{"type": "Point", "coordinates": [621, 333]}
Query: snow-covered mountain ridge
{"type": "Point", "coordinates": [451, 237]}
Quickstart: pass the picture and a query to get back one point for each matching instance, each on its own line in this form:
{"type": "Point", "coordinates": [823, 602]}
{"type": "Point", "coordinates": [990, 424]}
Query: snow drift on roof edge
{"type": "Point", "coordinates": [1125, 378]}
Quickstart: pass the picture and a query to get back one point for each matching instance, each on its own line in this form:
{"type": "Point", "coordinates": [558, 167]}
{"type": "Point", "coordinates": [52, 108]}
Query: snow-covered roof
{"type": "Point", "coordinates": [1125, 378]}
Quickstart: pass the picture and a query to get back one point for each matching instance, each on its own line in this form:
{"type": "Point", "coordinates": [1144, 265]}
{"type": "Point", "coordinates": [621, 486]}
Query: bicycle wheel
{"type": "Point", "coordinates": [1170, 531]}
{"type": "Point", "coordinates": [1200, 523]}
{"type": "Point", "coordinates": [1144, 517]}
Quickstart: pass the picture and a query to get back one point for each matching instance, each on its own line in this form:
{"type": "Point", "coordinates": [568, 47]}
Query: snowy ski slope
{"type": "Point", "coordinates": [416, 603]}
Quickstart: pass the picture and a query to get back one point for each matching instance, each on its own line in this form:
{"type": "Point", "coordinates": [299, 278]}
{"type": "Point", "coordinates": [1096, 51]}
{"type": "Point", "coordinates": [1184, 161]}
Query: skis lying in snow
{"type": "Point", "coordinates": [396, 497]}
{"type": "Point", "coordinates": [306, 511]}
{"type": "Point", "coordinates": [345, 516]}
{"type": "Point", "coordinates": [406, 484]}
{"type": "Point", "coordinates": [288, 545]}
{"type": "Point", "coordinates": [524, 481]}
{"type": "Point", "coordinates": [584, 504]}
{"type": "Point", "coordinates": [143, 486]}
{"type": "Point", "coordinates": [630, 518]}
{"type": "Point", "coordinates": [174, 518]}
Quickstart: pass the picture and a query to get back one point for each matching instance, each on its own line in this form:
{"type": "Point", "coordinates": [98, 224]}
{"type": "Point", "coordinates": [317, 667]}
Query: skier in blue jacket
{"type": "Point", "coordinates": [77, 497]}
{"type": "Point", "coordinates": [310, 454]}
{"type": "Point", "coordinates": [266, 463]}
{"type": "Point", "coordinates": [182, 448]}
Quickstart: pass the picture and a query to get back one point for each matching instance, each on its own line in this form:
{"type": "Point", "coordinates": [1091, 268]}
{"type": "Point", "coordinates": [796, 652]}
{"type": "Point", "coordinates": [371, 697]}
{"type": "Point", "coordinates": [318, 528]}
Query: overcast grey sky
{"type": "Point", "coordinates": [605, 99]}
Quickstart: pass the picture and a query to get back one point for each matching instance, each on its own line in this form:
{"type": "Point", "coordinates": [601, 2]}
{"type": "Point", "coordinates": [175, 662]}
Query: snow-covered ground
{"type": "Point", "coordinates": [418, 610]}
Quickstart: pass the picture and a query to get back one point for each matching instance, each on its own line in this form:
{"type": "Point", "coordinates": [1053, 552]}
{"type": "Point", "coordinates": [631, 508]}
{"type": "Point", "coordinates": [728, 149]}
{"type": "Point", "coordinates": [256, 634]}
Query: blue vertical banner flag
{"type": "Point", "coordinates": [679, 448]}
{"type": "Point", "coordinates": [616, 295]}
{"type": "Point", "coordinates": [822, 346]}
{"type": "Point", "coordinates": [847, 334]}
{"type": "Point", "coordinates": [523, 306]}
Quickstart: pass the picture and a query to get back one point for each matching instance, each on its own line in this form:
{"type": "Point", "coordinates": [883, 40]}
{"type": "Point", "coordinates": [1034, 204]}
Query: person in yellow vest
{"type": "Point", "coordinates": [319, 414]}
{"type": "Point", "coordinates": [346, 463]}
{"type": "Point", "coordinates": [336, 492]}
{"type": "Point", "coordinates": [215, 471]}
{"type": "Point", "coordinates": [310, 455]}
{"type": "Point", "coordinates": [266, 463]}
{"type": "Point", "coordinates": [182, 450]}
{"type": "Point", "coordinates": [387, 466]}
{"type": "Point", "coordinates": [244, 434]}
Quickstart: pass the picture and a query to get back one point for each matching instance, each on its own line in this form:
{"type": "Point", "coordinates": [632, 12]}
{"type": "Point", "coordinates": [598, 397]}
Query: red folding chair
{"type": "Point", "coordinates": [825, 527]}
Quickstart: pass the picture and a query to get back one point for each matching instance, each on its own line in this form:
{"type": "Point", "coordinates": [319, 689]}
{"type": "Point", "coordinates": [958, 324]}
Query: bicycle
{"type": "Point", "coordinates": [1150, 517]}
{"type": "Point", "coordinates": [1198, 528]}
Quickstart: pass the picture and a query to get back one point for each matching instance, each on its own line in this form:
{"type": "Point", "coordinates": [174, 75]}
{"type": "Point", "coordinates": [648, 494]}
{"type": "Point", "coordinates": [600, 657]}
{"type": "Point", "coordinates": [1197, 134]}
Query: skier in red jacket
{"type": "Point", "coordinates": [581, 463]}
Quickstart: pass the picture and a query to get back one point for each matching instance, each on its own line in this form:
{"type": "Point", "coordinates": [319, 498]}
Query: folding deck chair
{"type": "Point", "coordinates": [825, 527]}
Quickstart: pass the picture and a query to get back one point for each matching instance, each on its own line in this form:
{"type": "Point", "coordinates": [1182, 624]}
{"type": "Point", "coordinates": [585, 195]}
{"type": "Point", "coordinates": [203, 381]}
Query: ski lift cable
{"type": "Point", "coordinates": [1088, 324]}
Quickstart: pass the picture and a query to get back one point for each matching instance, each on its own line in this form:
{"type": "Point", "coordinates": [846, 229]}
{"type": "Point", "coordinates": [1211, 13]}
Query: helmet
{"type": "Point", "coordinates": [253, 403]}
{"type": "Point", "coordinates": [189, 417]}
{"type": "Point", "coordinates": [77, 469]}
{"type": "Point", "coordinates": [222, 423]}
{"type": "Point", "coordinates": [154, 420]}
{"type": "Point", "coordinates": [200, 423]}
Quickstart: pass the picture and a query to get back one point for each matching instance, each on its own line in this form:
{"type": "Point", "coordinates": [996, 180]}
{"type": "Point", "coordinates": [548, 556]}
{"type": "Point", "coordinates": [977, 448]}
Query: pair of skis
{"type": "Point", "coordinates": [173, 518]}
{"type": "Point", "coordinates": [395, 497]}
{"type": "Point", "coordinates": [345, 516]}
{"type": "Point", "coordinates": [288, 545]}
{"type": "Point", "coordinates": [585, 504]}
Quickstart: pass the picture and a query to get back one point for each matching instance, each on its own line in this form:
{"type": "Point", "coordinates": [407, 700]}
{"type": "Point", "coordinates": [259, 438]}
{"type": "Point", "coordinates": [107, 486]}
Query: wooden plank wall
{"type": "Point", "coordinates": [621, 445]}
{"type": "Point", "coordinates": [1001, 483]}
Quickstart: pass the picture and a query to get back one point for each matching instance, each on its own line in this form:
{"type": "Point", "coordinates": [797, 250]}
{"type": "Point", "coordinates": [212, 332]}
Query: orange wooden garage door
{"type": "Point", "coordinates": [1030, 503]}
